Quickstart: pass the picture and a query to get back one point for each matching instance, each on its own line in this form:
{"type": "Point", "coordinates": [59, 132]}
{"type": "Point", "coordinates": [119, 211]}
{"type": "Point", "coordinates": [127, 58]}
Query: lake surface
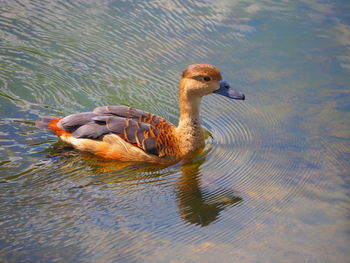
{"type": "Point", "coordinates": [273, 182]}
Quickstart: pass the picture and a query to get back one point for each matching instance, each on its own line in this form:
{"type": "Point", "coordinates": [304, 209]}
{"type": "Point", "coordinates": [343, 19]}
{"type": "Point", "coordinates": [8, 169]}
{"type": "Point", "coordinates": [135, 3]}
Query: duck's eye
{"type": "Point", "coordinates": [206, 78]}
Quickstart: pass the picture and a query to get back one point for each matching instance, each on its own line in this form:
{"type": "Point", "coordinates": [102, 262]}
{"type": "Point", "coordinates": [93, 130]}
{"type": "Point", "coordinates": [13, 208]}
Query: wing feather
{"type": "Point", "coordinates": [142, 129]}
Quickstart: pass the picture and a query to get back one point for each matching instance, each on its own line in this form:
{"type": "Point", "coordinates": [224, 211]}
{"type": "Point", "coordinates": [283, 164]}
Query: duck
{"type": "Point", "coordinates": [132, 135]}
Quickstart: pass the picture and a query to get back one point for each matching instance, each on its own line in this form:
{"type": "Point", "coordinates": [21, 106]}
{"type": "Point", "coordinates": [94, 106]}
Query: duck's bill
{"type": "Point", "coordinates": [227, 91]}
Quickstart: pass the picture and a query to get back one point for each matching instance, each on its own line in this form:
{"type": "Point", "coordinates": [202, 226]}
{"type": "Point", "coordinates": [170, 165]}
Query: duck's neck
{"type": "Point", "coordinates": [189, 131]}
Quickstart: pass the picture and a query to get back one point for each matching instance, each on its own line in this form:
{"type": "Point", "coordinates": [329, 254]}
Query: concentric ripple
{"type": "Point", "coordinates": [252, 155]}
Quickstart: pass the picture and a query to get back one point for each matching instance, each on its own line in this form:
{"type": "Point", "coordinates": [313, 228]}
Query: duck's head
{"type": "Point", "coordinates": [199, 80]}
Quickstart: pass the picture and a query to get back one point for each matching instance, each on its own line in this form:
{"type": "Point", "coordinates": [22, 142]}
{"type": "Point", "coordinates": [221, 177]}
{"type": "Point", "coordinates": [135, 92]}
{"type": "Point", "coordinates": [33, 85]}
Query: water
{"type": "Point", "coordinates": [273, 182]}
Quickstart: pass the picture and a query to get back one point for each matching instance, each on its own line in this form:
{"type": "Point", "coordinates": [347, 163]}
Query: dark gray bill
{"type": "Point", "coordinates": [227, 91]}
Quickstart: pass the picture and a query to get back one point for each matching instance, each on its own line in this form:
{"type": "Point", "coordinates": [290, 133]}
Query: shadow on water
{"type": "Point", "coordinates": [197, 204]}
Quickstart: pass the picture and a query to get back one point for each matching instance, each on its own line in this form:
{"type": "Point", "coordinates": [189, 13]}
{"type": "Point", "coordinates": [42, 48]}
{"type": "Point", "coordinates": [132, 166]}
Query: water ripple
{"type": "Point", "coordinates": [61, 57]}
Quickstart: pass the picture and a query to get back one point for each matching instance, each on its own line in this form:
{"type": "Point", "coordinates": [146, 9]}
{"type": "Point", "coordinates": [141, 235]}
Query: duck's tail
{"type": "Point", "coordinates": [49, 124]}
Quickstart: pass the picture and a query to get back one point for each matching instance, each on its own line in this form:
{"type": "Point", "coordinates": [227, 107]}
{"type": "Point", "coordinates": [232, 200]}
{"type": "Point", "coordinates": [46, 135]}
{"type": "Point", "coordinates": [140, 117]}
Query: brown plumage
{"type": "Point", "coordinates": [128, 134]}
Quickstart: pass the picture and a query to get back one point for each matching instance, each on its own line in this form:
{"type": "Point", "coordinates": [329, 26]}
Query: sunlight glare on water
{"type": "Point", "coordinates": [272, 184]}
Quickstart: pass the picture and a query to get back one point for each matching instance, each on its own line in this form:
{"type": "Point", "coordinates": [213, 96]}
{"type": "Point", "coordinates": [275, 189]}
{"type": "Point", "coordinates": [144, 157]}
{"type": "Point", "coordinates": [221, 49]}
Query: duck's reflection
{"type": "Point", "coordinates": [198, 203]}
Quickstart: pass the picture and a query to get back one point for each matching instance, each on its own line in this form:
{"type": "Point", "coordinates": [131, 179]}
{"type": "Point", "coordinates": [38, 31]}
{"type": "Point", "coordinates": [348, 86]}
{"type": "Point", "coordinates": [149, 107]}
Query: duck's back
{"type": "Point", "coordinates": [118, 132]}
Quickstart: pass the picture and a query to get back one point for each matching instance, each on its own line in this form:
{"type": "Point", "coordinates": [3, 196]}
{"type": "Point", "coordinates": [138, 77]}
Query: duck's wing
{"type": "Point", "coordinates": [147, 131]}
